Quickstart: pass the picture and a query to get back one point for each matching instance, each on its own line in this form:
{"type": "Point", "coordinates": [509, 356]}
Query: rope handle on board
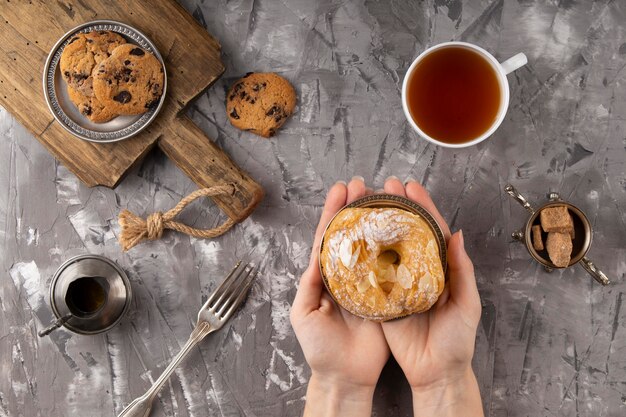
{"type": "Point", "coordinates": [135, 229]}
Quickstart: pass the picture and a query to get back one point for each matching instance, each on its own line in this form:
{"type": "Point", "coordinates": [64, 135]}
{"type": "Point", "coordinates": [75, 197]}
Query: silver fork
{"type": "Point", "coordinates": [214, 313]}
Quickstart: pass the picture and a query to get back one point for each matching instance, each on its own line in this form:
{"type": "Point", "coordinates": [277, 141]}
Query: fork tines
{"type": "Point", "coordinates": [231, 292]}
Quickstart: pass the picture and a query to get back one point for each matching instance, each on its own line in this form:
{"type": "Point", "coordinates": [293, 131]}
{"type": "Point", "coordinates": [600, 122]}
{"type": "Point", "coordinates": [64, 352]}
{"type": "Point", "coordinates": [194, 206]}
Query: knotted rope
{"type": "Point", "coordinates": [135, 229]}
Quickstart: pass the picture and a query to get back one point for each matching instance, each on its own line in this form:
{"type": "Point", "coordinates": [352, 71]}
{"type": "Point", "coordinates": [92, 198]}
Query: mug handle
{"type": "Point", "coordinates": [594, 271]}
{"type": "Point", "coordinates": [514, 63]}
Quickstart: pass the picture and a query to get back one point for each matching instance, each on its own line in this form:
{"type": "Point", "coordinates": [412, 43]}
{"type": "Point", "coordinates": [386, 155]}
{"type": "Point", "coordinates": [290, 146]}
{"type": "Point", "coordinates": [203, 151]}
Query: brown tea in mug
{"type": "Point", "coordinates": [453, 94]}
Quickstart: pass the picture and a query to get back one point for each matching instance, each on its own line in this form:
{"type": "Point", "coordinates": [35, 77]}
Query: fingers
{"type": "Point", "coordinates": [394, 186]}
{"type": "Point", "coordinates": [308, 297]}
{"type": "Point", "coordinates": [311, 284]}
{"type": "Point", "coordinates": [335, 199]}
{"type": "Point", "coordinates": [327, 304]}
{"type": "Point", "coordinates": [356, 189]}
{"type": "Point", "coordinates": [463, 290]}
{"type": "Point", "coordinates": [407, 331]}
{"type": "Point", "coordinates": [309, 294]}
{"type": "Point", "coordinates": [444, 296]}
{"type": "Point", "coordinates": [417, 193]}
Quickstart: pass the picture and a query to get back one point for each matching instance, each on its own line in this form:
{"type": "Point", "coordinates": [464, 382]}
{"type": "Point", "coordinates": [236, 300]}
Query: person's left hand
{"type": "Point", "coordinates": [346, 353]}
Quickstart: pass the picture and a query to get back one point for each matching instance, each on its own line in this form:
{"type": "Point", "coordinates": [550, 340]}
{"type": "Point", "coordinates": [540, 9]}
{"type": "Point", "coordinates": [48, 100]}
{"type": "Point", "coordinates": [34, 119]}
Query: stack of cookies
{"type": "Point", "coordinates": [107, 77]}
{"type": "Point", "coordinates": [558, 223]}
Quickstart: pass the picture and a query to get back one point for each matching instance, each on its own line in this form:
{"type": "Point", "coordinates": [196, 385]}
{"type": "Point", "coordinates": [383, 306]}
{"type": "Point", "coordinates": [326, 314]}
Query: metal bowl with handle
{"type": "Point", "coordinates": [581, 243]}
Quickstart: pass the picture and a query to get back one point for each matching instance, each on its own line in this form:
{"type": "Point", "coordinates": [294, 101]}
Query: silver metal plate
{"type": "Point", "coordinates": [66, 112]}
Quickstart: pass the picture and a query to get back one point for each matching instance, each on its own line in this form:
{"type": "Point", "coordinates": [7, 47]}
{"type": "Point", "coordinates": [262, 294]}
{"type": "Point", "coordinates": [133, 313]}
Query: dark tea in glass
{"type": "Point", "coordinates": [454, 95]}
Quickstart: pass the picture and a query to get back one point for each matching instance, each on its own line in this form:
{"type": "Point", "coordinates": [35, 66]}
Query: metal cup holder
{"type": "Point", "coordinates": [581, 242]}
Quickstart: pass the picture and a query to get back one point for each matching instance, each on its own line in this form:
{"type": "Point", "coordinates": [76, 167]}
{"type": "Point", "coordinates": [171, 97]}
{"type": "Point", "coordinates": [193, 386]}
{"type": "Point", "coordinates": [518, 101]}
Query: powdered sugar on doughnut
{"type": "Point", "coordinates": [352, 244]}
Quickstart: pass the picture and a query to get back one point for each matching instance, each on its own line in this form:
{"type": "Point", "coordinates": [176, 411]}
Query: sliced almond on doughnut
{"type": "Point", "coordinates": [372, 279]}
{"type": "Point", "coordinates": [404, 277]}
{"type": "Point", "coordinates": [345, 252]}
{"type": "Point", "coordinates": [363, 285]}
{"type": "Point", "coordinates": [355, 257]}
{"type": "Point", "coordinates": [372, 300]}
{"type": "Point", "coordinates": [425, 281]}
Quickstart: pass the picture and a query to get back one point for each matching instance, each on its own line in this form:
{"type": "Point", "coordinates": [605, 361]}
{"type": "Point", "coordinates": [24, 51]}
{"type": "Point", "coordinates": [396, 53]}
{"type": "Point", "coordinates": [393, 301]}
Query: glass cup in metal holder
{"type": "Point", "coordinates": [89, 294]}
{"type": "Point", "coordinates": [583, 233]}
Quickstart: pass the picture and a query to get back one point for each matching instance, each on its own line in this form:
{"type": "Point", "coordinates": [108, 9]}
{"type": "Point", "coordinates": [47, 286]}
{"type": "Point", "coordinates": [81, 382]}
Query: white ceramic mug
{"type": "Point", "coordinates": [501, 69]}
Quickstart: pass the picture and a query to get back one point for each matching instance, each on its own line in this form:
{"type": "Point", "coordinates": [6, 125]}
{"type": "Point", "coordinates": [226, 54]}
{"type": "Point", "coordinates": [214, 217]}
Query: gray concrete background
{"type": "Point", "coordinates": [548, 344]}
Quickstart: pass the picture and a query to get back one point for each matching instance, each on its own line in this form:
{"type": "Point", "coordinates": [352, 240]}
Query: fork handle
{"type": "Point", "coordinates": [141, 406]}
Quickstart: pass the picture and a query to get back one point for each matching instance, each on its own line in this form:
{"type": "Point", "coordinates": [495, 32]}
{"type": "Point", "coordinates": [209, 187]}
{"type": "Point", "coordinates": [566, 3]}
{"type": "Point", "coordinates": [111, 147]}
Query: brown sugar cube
{"type": "Point", "coordinates": [559, 247]}
{"type": "Point", "coordinates": [537, 242]}
{"type": "Point", "coordinates": [557, 219]}
{"type": "Point", "coordinates": [570, 227]}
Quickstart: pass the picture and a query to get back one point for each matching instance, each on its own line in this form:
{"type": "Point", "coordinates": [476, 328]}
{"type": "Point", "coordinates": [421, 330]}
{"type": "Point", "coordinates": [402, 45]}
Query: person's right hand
{"type": "Point", "coordinates": [435, 348]}
{"type": "Point", "coordinates": [346, 353]}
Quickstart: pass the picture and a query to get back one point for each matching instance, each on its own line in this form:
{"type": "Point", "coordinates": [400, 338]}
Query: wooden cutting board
{"type": "Point", "coordinates": [192, 58]}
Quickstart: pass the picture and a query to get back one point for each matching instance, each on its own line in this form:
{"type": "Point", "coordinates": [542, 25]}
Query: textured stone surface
{"type": "Point", "coordinates": [548, 344]}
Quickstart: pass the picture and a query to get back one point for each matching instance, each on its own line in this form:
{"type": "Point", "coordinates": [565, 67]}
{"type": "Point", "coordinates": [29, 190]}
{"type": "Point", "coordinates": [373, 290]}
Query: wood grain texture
{"type": "Point", "coordinates": [184, 144]}
{"type": "Point", "coordinates": [192, 59]}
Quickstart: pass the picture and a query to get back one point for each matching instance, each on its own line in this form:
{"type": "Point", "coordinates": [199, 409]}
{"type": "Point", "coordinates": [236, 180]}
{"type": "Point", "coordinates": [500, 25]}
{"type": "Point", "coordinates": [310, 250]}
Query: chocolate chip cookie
{"type": "Point", "coordinates": [260, 103]}
{"type": "Point", "coordinates": [90, 107]}
{"type": "Point", "coordinates": [130, 81]}
{"type": "Point", "coordinates": [83, 52]}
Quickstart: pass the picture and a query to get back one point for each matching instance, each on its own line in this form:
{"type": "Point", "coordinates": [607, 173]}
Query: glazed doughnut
{"type": "Point", "coordinates": [381, 263]}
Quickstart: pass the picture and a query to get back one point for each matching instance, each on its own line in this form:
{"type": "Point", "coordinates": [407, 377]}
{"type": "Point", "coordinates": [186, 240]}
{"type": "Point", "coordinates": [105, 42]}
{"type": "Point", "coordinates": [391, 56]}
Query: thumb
{"type": "Point", "coordinates": [463, 288]}
{"type": "Point", "coordinates": [309, 292]}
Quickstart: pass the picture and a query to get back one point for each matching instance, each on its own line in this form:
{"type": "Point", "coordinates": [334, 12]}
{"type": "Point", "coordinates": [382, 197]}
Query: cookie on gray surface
{"type": "Point", "coordinates": [81, 55]}
{"type": "Point", "coordinates": [260, 103]}
{"type": "Point", "coordinates": [130, 81]}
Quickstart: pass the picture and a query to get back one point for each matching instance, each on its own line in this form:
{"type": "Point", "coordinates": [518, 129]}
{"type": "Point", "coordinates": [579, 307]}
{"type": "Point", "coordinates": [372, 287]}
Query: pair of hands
{"type": "Point", "coordinates": [434, 349]}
